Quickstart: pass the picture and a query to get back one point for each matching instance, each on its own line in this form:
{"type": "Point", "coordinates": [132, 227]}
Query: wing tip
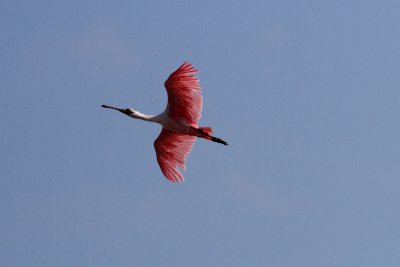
{"type": "Point", "coordinates": [187, 66]}
{"type": "Point", "coordinates": [178, 180]}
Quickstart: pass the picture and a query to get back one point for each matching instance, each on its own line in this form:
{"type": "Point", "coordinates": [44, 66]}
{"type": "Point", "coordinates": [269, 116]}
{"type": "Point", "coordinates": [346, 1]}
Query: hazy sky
{"type": "Point", "coordinates": [307, 94]}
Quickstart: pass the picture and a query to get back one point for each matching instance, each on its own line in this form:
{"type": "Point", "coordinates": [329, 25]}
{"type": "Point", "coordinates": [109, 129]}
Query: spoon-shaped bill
{"type": "Point", "coordinates": [106, 106]}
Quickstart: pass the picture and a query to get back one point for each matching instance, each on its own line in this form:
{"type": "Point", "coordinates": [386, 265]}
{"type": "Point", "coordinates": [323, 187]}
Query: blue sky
{"type": "Point", "coordinates": [305, 92]}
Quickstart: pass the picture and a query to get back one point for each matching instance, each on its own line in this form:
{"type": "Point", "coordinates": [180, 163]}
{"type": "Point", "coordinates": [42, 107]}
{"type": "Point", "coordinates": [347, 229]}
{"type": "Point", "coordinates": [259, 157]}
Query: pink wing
{"type": "Point", "coordinates": [184, 98]}
{"type": "Point", "coordinates": [172, 150]}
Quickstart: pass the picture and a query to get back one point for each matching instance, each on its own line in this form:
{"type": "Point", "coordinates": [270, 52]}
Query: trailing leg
{"type": "Point", "coordinates": [218, 140]}
{"type": "Point", "coordinates": [205, 132]}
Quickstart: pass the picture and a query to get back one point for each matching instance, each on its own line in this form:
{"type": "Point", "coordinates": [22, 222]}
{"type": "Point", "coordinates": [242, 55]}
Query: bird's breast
{"type": "Point", "coordinates": [178, 126]}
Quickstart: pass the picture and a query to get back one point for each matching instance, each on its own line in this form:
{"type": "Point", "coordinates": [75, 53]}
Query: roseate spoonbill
{"type": "Point", "coordinates": [179, 121]}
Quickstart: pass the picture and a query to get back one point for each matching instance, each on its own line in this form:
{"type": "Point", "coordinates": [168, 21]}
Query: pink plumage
{"type": "Point", "coordinates": [172, 149]}
{"type": "Point", "coordinates": [179, 120]}
{"type": "Point", "coordinates": [184, 98]}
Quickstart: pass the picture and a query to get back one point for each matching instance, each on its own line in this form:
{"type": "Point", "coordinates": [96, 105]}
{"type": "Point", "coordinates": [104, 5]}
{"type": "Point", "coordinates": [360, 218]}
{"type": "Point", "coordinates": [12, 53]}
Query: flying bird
{"type": "Point", "coordinates": [179, 121]}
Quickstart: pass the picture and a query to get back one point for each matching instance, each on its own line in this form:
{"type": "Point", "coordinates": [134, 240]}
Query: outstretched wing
{"type": "Point", "coordinates": [184, 94]}
{"type": "Point", "coordinates": [172, 150]}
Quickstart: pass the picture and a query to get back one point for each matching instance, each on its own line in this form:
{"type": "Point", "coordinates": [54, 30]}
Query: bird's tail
{"type": "Point", "coordinates": [205, 132]}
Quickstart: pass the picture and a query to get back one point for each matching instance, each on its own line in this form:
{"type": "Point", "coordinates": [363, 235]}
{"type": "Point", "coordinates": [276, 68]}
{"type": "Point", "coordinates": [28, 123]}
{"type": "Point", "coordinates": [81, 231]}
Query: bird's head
{"type": "Point", "coordinates": [127, 111]}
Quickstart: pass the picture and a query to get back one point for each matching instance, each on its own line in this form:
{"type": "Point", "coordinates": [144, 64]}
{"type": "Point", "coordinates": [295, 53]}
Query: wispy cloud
{"type": "Point", "coordinates": [101, 43]}
{"type": "Point", "coordinates": [257, 195]}
{"type": "Point", "coordinates": [273, 37]}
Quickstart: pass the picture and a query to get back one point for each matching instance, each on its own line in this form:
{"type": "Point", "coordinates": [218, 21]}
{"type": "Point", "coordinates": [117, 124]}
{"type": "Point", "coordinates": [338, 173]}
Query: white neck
{"type": "Point", "coordinates": [140, 116]}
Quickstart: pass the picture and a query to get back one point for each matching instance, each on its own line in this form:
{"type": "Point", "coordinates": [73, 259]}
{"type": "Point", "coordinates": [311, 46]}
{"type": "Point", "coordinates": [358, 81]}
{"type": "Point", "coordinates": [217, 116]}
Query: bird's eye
{"type": "Point", "coordinates": [128, 111]}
